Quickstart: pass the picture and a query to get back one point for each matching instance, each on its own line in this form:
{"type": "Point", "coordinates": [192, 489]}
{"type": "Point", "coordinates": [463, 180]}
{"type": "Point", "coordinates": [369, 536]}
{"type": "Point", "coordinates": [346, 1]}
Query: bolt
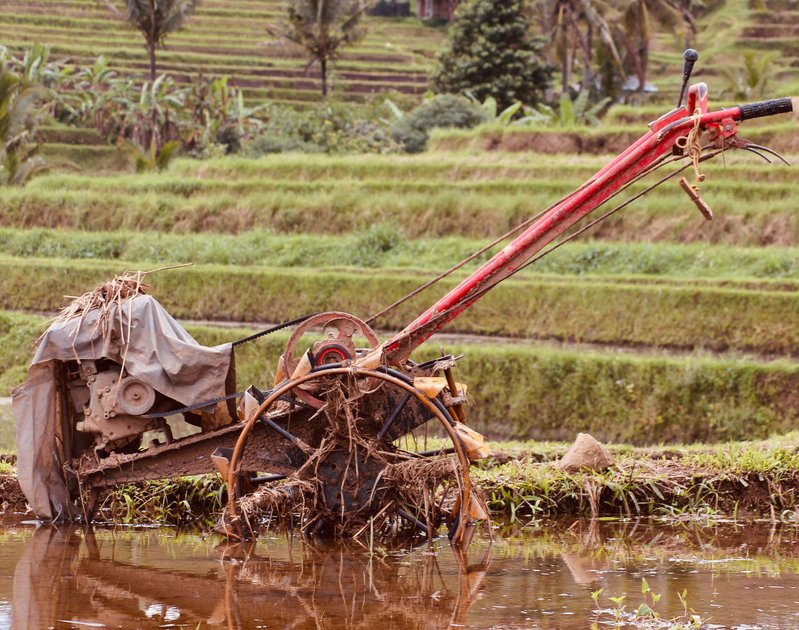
{"type": "Point", "coordinates": [728, 127]}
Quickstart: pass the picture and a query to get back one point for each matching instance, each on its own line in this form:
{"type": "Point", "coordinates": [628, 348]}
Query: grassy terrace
{"type": "Point", "coordinates": [597, 310]}
{"type": "Point", "coordinates": [469, 195]}
{"type": "Point", "coordinates": [552, 393]}
{"type": "Point", "coordinates": [229, 38]}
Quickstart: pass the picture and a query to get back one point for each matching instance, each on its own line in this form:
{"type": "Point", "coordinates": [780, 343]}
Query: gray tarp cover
{"type": "Point", "coordinates": [161, 353]}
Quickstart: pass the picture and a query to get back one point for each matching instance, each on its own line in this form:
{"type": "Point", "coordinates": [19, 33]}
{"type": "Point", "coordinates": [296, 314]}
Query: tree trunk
{"type": "Point", "coordinates": [323, 66]}
{"type": "Point", "coordinates": [151, 53]}
{"type": "Point", "coordinates": [643, 53]}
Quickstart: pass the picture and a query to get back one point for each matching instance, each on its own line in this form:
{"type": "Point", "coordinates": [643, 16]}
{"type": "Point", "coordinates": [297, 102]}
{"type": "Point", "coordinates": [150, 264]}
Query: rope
{"type": "Point", "coordinates": [694, 148]}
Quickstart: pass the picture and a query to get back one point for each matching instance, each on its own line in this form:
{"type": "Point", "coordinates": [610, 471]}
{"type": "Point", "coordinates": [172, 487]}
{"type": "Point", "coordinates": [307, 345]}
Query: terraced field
{"type": "Point", "coordinates": [663, 328]}
{"type": "Point", "coordinates": [228, 38]}
{"type": "Point", "coordinates": [457, 194]}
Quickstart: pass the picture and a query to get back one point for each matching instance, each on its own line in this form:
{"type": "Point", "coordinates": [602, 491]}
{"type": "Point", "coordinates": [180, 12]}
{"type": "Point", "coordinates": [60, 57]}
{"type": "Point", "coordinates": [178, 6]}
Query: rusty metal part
{"type": "Point", "coordinates": [134, 397]}
{"type": "Point", "coordinates": [113, 411]}
{"type": "Point", "coordinates": [192, 455]}
{"type": "Point", "coordinates": [356, 495]}
{"type": "Point", "coordinates": [339, 329]}
{"type": "Point", "coordinates": [693, 193]}
{"type": "Point", "coordinates": [456, 407]}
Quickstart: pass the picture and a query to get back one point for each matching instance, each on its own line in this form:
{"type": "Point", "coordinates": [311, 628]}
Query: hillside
{"type": "Point", "coordinates": [228, 38]}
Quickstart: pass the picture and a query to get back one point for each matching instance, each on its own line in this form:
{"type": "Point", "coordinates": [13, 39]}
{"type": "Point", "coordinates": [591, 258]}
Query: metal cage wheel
{"type": "Point", "coordinates": [434, 407]}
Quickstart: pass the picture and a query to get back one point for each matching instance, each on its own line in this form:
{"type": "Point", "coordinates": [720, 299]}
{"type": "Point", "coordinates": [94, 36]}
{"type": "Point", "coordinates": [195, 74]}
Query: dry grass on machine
{"type": "Point", "coordinates": [408, 494]}
{"type": "Point", "coordinates": [107, 296]}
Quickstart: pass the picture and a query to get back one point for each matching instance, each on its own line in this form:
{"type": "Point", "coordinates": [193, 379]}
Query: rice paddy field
{"type": "Point", "coordinates": [654, 327]}
{"type": "Point", "coordinates": [228, 38]}
{"type": "Point", "coordinates": [659, 327]}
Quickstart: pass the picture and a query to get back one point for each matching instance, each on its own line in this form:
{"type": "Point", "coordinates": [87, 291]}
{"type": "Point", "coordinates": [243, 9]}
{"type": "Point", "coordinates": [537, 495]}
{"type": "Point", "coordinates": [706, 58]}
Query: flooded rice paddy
{"type": "Point", "coordinates": [732, 575]}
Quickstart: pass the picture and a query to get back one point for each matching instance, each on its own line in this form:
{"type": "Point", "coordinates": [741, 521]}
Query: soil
{"type": "Point", "coordinates": [11, 497]}
{"type": "Point", "coordinates": [651, 482]}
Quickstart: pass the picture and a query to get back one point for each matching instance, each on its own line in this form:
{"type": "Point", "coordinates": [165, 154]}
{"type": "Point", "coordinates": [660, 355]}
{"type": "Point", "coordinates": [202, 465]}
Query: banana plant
{"type": "Point", "coordinates": [152, 159]}
{"type": "Point", "coordinates": [570, 112]}
{"type": "Point", "coordinates": [22, 105]}
{"type": "Point", "coordinates": [504, 118]}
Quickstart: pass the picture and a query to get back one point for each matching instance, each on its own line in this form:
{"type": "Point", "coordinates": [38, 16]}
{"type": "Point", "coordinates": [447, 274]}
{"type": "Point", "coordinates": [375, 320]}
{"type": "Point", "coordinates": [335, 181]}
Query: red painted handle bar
{"type": "Point", "coordinates": [661, 139]}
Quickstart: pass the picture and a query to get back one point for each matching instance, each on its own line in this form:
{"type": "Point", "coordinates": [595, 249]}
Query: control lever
{"type": "Point", "coordinates": [690, 56]}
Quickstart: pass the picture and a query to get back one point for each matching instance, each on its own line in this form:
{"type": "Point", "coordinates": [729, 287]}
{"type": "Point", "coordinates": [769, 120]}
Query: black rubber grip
{"type": "Point", "coordinates": [766, 108]}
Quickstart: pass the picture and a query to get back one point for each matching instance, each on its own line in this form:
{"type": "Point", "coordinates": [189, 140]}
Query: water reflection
{"type": "Point", "coordinates": [527, 577]}
{"type": "Point", "coordinates": [66, 577]}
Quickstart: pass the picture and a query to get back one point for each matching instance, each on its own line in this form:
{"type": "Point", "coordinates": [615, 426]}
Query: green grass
{"type": "Point", "coordinates": [385, 246]}
{"type": "Point", "coordinates": [471, 196]}
{"type": "Point", "coordinates": [544, 393]}
{"type": "Point", "coordinates": [596, 310]}
{"type": "Point", "coordinates": [745, 479]}
{"type": "Point", "coordinates": [781, 133]}
{"type": "Point", "coordinates": [8, 443]}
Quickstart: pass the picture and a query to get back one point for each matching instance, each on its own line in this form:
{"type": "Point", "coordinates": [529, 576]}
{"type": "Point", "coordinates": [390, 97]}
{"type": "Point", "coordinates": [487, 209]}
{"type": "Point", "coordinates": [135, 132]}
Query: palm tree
{"type": "Point", "coordinates": [638, 22]}
{"type": "Point", "coordinates": [575, 26]}
{"type": "Point", "coordinates": [321, 27]}
{"type": "Point", "coordinates": [156, 19]}
{"type": "Point", "coordinates": [21, 105]}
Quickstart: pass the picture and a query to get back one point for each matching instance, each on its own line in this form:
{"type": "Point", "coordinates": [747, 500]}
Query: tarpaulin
{"type": "Point", "coordinates": [157, 351]}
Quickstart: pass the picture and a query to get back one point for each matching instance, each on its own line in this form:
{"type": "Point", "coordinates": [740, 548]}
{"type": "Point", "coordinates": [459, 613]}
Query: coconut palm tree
{"type": "Point", "coordinates": [156, 19]}
{"type": "Point", "coordinates": [575, 27]}
{"type": "Point", "coordinates": [638, 23]}
{"type": "Point", "coordinates": [321, 28]}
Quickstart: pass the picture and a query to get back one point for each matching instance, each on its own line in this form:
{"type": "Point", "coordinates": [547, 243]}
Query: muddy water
{"type": "Point", "coordinates": [735, 576]}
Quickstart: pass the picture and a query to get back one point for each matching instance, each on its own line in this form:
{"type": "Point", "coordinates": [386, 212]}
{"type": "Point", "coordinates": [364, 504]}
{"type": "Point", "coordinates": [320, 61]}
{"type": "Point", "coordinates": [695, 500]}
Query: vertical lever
{"type": "Point", "coordinates": [690, 56]}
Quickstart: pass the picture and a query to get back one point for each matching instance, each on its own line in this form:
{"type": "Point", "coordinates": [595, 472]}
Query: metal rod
{"type": "Point", "coordinates": [276, 427]}
{"type": "Point", "coordinates": [412, 520]}
{"type": "Point", "coordinates": [457, 409]}
{"type": "Point", "coordinates": [436, 451]}
{"type": "Point", "coordinates": [394, 415]}
{"type": "Point", "coordinates": [267, 479]}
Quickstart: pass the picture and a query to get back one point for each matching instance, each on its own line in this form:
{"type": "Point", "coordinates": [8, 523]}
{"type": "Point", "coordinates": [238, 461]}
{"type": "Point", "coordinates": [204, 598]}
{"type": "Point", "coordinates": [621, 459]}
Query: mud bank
{"type": "Point", "coordinates": [734, 480]}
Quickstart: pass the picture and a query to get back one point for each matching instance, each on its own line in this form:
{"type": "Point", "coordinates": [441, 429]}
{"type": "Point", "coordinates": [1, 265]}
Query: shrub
{"type": "Point", "coordinates": [490, 51]}
{"type": "Point", "coordinates": [329, 128]}
{"type": "Point", "coordinates": [446, 110]}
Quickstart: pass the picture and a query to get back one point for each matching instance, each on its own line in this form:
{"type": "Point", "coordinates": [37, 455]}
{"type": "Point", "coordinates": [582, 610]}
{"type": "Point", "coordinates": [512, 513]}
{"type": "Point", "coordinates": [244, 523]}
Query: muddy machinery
{"type": "Point", "coordinates": [108, 373]}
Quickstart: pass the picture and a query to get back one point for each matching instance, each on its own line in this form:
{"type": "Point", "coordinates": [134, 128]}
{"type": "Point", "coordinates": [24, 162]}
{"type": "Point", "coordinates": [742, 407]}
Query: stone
{"type": "Point", "coordinates": [586, 452]}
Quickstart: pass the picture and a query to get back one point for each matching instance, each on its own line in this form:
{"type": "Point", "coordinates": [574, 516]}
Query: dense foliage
{"type": "Point", "coordinates": [446, 110]}
{"type": "Point", "coordinates": [491, 51]}
{"type": "Point", "coordinates": [24, 101]}
{"type": "Point", "coordinates": [321, 28]}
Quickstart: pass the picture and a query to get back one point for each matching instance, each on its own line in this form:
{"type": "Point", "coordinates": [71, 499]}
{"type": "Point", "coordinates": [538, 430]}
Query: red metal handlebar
{"type": "Point", "coordinates": [659, 140]}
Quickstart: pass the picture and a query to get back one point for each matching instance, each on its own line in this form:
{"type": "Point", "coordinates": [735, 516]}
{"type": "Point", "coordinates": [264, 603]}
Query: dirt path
{"type": "Point", "coordinates": [443, 339]}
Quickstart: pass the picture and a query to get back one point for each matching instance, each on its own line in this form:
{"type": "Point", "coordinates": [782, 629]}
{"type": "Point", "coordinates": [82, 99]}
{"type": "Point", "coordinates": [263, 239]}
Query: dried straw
{"type": "Point", "coordinates": [115, 293]}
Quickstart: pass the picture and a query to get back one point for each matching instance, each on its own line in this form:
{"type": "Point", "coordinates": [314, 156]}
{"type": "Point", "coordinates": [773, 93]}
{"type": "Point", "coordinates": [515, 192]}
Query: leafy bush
{"type": "Point", "coordinates": [446, 110]}
{"type": "Point", "coordinates": [329, 128]}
